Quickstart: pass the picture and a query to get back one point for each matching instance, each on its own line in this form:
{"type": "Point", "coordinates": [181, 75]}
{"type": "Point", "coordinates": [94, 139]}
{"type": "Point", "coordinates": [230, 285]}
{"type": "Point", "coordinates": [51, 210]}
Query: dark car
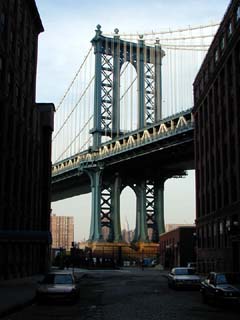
{"type": "Point", "coordinates": [58, 285]}
{"type": "Point", "coordinates": [182, 277]}
{"type": "Point", "coordinates": [221, 287]}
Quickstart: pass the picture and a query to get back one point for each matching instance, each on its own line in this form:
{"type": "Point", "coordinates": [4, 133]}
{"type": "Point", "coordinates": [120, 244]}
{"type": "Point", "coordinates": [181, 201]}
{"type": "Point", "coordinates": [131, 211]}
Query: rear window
{"type": "Point", "coordinates": [185, 271]}
{"type": "Point", "coordinates": [58, 279]}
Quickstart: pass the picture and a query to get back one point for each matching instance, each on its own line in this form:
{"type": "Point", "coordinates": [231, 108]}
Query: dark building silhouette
{"type": "Point", "coordinates": [25, 145]}
{"type": "Point", "coordinates": [217, 151]}
{"type": "Point", "coordinates": [177, 247]}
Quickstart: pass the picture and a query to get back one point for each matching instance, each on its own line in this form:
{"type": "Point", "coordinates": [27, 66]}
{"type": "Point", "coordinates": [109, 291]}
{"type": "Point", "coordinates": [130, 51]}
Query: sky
{"type": "Point", "coordinates": [69, 27]}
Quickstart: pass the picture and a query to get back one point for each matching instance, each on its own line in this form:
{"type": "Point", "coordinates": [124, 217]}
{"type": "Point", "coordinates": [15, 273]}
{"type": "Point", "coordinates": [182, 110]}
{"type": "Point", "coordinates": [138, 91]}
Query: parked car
{"type": "Point", "coordinates": [221, 287]}
{"type": "Point", "coordinates": [58, 285]}
{"type": "Point", "coordinates": [182, 277]}
{"type": "Point", "coordinates": [149, 262]}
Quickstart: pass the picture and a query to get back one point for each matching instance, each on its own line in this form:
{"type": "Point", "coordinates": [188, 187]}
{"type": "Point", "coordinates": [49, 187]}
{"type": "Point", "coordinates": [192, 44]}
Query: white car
{"type": "Point", "coordinates": [58, 285]}
{"type": "Point", "coordinates": [182, 277]}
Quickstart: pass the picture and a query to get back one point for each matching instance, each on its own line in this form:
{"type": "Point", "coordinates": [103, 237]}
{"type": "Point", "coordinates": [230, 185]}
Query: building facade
{"type": "Point", "coordinates": [177, 247]}
{"type": "Point", "coordinates": [62, 229]}
{"type": "Point", "coordinates": [25, 148]}
{"type": "Point", "coordinates": [217, 150]}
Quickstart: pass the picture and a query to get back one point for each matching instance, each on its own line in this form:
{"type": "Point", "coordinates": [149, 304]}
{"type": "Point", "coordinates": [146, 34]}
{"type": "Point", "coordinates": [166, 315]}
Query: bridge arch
{"type": "Point", "coordinates": [128, 97]}
{"type": "Point", "coordinates": [128, 217]}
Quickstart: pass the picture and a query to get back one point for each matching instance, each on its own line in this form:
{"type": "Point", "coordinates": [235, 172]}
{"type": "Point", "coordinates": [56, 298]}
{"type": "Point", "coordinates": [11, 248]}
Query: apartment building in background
{"type": "Point", "coordinates": [62, 229]}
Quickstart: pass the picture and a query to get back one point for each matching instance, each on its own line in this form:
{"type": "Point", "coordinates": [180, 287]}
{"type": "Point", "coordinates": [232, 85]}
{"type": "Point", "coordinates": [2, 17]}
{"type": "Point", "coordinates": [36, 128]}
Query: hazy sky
{"type": "Point", "coordinates": [69, 26]}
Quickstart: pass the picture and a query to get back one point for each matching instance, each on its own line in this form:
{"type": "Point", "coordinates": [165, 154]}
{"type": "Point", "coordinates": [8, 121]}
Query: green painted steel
{"type": "Point", "coordinates": [116, 86]}
{"type": "Point", "coordinates": [96, 131]}
{"type": "Point", "coordinates": [141, 234]}
{"type": "Point", "coordinates": [110, 55]}
{"type": "Point", "coordinates": [159, 207]}
{"type": "Point", "coordinates": [116, 223]}
{"type": "Point", "coordinates": [140, 84]}
{"type": "Point", "coordinates": [159, 54]}
{"type": "Point", "coordinates": [95, 175]}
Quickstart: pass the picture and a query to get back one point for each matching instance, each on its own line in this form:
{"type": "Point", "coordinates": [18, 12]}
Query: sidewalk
{"type": "Point", "coordinates": [16, 294]}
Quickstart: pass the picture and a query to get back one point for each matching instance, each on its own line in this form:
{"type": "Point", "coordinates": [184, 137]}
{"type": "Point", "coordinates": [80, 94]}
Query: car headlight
{"type": "Point", "coordinates": [228, 294]}
{"type": "Point", "coordinates": [220, 292]}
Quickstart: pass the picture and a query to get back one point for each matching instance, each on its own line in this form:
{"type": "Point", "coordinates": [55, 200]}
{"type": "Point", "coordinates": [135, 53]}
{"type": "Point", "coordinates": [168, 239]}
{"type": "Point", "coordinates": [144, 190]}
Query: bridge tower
{"type": "Point", "coordinates": [110, 55]}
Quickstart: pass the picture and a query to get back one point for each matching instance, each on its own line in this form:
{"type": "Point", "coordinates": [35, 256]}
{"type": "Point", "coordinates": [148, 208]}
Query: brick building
{"type": "Point", "coordinates": [177, 247]}
{"type": "Point", "coordinates": [62, 229]}
{"type": "Point", "coordinates": [25, 148]}
{"type": "Point", "coordinates": [217, 149]}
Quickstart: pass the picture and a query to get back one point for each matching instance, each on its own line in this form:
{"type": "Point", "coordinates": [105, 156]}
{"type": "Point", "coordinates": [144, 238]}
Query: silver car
{"type": "Point", "coordinates": [58, 285]}
{"type": "Point", "coordinates": [182, 277]}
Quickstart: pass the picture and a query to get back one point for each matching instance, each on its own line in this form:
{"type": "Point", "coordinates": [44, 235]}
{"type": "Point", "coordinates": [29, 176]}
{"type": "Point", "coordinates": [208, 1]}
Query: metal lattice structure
{"type": "Point", "coordinates": [109, 144]}
{"type": "Point", "coordinates": [110, 55]}
{"type": "Point", "coordinates": [107, 93]}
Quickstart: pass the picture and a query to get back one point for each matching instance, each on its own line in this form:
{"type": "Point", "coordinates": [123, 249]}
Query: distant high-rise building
{"type": "Point", "coordinates": [25, 134]}
{"type": "Point", "coordinates": [62, 229]}
{"type": "Point", "coordinates": [217, 149]}
{"type": "Point", "coordinates": [127, 235]}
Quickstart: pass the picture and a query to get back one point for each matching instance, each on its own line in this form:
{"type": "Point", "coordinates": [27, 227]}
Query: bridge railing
{"type": "Point", "coordinates": [167, 127]}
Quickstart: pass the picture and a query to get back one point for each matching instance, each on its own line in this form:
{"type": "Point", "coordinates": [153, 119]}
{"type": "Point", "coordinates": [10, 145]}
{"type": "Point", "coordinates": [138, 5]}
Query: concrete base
{"type": "Point", "coordinates": [148, 248]}
{"type": "Point", "coordinates": [126, 249]}
{"type": "Point", "coordinates": [107, 248]}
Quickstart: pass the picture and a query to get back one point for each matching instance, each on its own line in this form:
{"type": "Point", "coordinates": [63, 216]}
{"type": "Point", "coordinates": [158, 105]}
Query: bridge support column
{"type": "Point", "coordinates": [95, 226]}
{"type": "Point", "coordinates": [141, 83]}
{"type": "Point", "coordinates": [116, 224]}
{"type": "Point", "coordinates": [159, 54]}
{"type": "Point", "coordinates": [159, 207]}
{"type": "Point", "coordinates": [116, 86]}
{"type": "Point", "coordinates": [141, 234]}
{"type": "Point", "coordinates": [96, 131]}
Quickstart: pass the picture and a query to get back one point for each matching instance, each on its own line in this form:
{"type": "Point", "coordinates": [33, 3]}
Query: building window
{"type": "Point", "coordinates": [229, 30]}
{"type": "Point", "coordinates": [1, 71]}
{"type": "Point", "coordinates": [238, 13]}
{"type": "Point", "coordinates": [222, 44]}
{"type": "Point", "coordinates": [216, 55]}
{"type": "Point", "coordinates": [2, 21]}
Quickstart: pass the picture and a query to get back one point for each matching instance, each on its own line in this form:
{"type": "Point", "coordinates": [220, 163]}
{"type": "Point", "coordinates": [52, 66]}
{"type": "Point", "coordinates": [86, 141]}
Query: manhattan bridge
{"type": "Point", "coordinates": [126, 120]}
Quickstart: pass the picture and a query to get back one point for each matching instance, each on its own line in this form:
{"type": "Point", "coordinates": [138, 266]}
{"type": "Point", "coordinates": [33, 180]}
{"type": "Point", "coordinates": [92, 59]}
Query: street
{"type": "Point", "coordinates": [128, 294]}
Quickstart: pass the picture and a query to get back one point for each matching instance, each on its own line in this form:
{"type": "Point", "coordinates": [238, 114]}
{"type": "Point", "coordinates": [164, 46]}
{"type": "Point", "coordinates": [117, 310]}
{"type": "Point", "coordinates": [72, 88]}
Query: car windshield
{"type": "Point", "coordinates": [228, 278]}
{"type": "Point", "coordinates": [184, 271]}
{"type": "Point", "coordinates": [58, 279]}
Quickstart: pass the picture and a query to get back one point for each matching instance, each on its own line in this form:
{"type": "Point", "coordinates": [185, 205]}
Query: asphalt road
{"type": "Point", "coordinates": [128, 294]}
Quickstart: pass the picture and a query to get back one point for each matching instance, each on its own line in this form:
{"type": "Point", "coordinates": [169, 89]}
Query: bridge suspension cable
{"type": "Point", "coordinates": [162, 32]}
{"type": "Point", "coordinates": [74, 113]}
{"type": "Point", "coordinates": [73, 80]}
